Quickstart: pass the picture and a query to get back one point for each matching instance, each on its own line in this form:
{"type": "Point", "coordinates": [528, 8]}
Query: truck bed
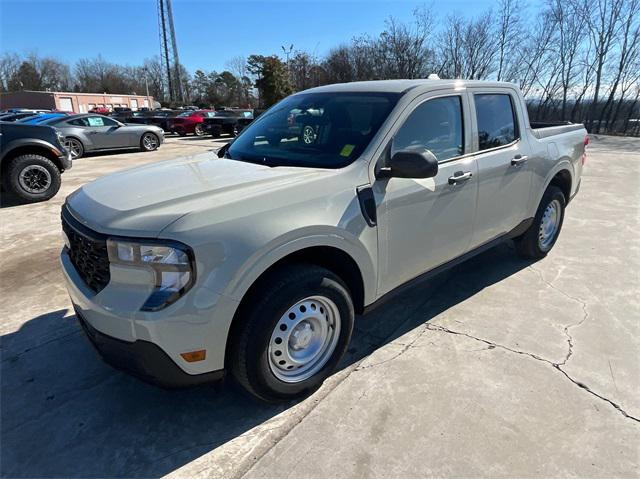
{"type": "Point", "coordinates": [546, 129]}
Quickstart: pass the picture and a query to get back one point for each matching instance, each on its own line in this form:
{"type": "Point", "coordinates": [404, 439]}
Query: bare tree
{"type": "Point", "coordinates": [9, 65]}
{"type": "Point", "coordinates": [508, 33]}
{"type": "Point", "coordinates": [467, 48]}
{"type": "Point", "coordinates": [601, 19]}
{"type": "Point", "coordinates": [628, 50]}
{"type": "Point", "coordinates": [570, 35]}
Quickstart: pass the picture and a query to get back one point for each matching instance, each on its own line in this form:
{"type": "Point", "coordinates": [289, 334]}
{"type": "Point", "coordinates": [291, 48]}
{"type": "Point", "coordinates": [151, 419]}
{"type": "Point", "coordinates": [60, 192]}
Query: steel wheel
{"type": "Point", "coordinates": [304, 339]}
{"type": "Point", "coordinates": [308, 135]}
{"type": "Point", "coordinates": [74, 147]}
{"type": "Point", "coordinates": [549, 225]}
{"type": "Point", "coordinates": [34, 179]}
{"type": "Point", "coordinates": [150, 141]}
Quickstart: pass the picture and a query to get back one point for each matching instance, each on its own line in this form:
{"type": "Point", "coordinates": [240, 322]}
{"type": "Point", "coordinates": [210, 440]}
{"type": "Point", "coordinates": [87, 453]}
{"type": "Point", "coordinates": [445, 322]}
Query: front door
{"type": "Point", "coordinates": [424, 223]}
{"type": "Point", "coordinates": [108, 133]}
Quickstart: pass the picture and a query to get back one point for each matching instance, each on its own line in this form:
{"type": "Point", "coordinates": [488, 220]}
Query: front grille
{"type": "Point", "coordinates": [88, 252]}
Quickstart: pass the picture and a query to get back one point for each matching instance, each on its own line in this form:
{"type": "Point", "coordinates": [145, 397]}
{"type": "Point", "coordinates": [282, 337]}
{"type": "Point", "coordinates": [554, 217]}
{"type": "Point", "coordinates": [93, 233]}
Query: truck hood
{"type": "Point", "coordinates": [143, 201]}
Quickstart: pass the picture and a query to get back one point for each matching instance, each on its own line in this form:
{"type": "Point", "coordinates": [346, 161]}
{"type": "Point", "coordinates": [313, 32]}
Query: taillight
{"type": "Point", "coordinates": [584, 154]}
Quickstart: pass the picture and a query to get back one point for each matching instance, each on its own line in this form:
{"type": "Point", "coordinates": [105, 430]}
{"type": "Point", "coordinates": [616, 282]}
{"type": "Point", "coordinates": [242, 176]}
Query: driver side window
{"type": "Point", "coordinates": [436, 125]}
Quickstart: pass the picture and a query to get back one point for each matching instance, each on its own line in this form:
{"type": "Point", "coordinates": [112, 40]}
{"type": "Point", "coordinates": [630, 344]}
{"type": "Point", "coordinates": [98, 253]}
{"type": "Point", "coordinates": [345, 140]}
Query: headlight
{"type": "Point", "coordinates": [171, 262]}
{"type": "Point", "coordinates": [60, 137]}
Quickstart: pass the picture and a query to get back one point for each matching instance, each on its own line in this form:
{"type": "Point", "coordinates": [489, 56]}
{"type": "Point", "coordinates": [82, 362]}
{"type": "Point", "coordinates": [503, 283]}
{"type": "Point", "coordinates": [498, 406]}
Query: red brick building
{"type": "Point", "coordinates": [70, 101]}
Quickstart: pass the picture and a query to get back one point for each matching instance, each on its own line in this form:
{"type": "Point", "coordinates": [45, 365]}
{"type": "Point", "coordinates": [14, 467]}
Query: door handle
{"type": "Point", "coordinates": [460, 177]}
{"type": "Point", "coordinates": [518, 160]}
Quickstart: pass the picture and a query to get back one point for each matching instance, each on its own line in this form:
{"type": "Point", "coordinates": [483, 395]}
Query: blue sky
{"type": "Point", "coordinates": [208, 32]}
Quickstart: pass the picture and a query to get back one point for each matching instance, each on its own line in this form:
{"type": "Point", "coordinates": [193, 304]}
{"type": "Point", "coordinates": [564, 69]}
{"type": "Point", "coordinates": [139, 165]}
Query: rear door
{"type": "Point", "coordinates": [424, 223]}
{"type": "Point", "coordinates": [504, 173]}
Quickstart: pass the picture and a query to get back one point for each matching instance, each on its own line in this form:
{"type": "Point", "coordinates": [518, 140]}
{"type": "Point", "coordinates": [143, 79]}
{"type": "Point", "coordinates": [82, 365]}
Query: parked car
{"type": "Point", "coordinates": [257, 262]}
{"type": "Point", "coordinates": [32, 160]}
{"type": "Point", "coordinates": [190, 122]}
{"type": "Point", "coordinates": [35, 119]}
{"type": "Point", "coordinates": [23, 110]}
{"type": "Point", "coordinates": [89, 132]}
{"type": "Point", "coordinates": [100, 110]}
{"type": "Point", "coordinates": [16, 116]}
{"type": "Point", "coordinates": [226, 121]}
{"type": "Point", "coordinates": [158, 118]}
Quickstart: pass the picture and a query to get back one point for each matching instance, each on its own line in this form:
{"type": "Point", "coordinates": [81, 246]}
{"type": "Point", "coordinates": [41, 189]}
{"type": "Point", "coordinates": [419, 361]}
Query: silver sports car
{"type": "Point", "coordinates": [90, 132]}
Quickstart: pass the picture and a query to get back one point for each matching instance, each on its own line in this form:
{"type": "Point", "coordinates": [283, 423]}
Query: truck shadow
{"type": "Point", "coordinates": [65, 413]}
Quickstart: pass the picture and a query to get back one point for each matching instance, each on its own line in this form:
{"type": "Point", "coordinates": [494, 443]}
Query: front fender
{"type": "Point", "coordinates": [31, 142]}
{"type": "Point", "coordinates": [296, 241]}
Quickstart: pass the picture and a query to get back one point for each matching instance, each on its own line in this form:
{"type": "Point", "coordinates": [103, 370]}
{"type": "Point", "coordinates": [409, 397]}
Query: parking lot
{"type": "Point", "coordinates": [500, 367]}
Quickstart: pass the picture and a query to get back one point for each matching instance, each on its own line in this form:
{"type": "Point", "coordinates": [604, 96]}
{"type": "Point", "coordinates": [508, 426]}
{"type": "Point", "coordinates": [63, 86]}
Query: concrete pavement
{"type": "Point", "coordinates": [498, 368]}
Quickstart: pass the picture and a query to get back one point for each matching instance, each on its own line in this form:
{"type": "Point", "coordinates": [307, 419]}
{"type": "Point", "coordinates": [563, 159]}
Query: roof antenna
{"type": "Point", "coordinates": [433, 76]}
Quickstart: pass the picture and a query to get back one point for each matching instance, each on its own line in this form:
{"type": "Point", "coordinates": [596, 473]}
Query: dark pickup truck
{"type": "Point", "coordinates": [153, 117]}
{"type": "Point", "coordinates": [230, 122]}
{"type": "Point", "coordinates": [32, 158]}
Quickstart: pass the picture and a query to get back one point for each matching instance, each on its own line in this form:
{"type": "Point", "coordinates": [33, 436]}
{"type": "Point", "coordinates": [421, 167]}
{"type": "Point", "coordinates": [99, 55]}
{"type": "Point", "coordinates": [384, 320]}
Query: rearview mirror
{"type": "Point", "coordinates": [411, 163]}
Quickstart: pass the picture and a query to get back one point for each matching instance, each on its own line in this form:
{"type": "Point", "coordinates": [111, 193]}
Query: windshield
{"type": "Point", "coordinates": [317, 130]}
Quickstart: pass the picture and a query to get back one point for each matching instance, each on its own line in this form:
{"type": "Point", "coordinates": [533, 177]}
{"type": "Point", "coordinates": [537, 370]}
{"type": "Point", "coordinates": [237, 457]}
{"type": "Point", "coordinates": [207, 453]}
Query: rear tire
{"type": "Point", "coordinates": [292, 333]}
{"type": "Point", "coordinates": [75, 147]}
{"type": "Point", "coordinates": [199, 130]}
{"type": "Point", "coordinates": [32, 178]}
{"type": "Point", "coordinates": [149, 142]}
{"type": "Point", "coordinates": [543, 233]}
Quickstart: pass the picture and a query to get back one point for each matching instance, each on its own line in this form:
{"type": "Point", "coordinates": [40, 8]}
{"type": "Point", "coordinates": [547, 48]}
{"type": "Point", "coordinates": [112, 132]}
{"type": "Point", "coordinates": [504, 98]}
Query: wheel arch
{"type": "Point", "coordinates": [331, 257]}
{"type": "Point", "coordinates": [562, 177]}
{"type": "Point", "coordinates": [145, 132]}
{"type": "Point", "coordinates": [32, 149]}
{"type": "Point", "coordinates": [78, 139]}
{"type": "Point", "coordinates": [563, 180]}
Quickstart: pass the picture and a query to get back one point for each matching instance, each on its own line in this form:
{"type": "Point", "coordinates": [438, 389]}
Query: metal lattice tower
{"type": "Point", "coordinates": [171, 80]}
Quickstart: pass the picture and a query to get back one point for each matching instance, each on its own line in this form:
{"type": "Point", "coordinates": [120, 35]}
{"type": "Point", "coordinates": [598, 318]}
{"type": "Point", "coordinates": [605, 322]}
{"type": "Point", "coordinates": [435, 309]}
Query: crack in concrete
{"type": "Point", "coordinates": [557, 366]}
{"type": "Point", "coordinates": [568, 327]}
{"type": "Point", "coordinates": [405, 348]}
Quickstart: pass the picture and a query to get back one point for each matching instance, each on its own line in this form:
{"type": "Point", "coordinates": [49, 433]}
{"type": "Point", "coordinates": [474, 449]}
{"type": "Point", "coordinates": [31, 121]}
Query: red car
{"type": "Point", "coordinates": [190, 122]}
{"type": "Point", "coordinates": [101, 110]}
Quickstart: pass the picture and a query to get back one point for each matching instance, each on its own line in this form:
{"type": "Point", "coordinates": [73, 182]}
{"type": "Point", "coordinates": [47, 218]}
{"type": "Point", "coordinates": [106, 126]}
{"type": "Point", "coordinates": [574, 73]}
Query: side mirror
{"type": "Point", "coordinates": [223, 150]}
{"type": "Point", "coordinates": [411, 163]}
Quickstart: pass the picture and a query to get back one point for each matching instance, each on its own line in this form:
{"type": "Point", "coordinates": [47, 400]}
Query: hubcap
{"type": "Point", "coordinates": [74, 148]}
{"type": "Point", "coordinates": [549, 225]}
{"type": "Point", "coordinates": [35, 179]}
{"type": "Point", "coordinates": [304, 339]}
{"type": "Point", "coordinates": [150, 142]}
{"type": "Point", "coordinates": [308, 135]}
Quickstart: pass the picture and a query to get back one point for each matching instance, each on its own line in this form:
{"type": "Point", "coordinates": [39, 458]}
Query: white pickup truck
{"type": "Point", "coordinates": [257, 261]}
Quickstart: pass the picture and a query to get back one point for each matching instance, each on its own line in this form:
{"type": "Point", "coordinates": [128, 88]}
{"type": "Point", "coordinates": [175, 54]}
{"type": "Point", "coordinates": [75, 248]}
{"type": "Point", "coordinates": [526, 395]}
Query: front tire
{"type": "Point", "coordinates": [292, 333]}
{"type": "Point", "coordinates": [32, 178]}
{"type": "Point", "coordinates": [543, 233]}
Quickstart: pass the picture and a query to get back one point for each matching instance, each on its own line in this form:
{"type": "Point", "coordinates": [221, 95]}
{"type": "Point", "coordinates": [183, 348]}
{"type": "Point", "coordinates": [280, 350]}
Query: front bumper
{"type": "Point", "coordinates": [64, 157]}
{"type": "Point", "coordinates": [149, 344]}
{"type": "Point", "coordinates": [144, 360]}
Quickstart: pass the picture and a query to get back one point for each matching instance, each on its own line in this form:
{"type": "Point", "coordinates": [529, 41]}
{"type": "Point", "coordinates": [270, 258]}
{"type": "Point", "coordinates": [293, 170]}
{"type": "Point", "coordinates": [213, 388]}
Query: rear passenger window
{"type": "Point", "coordinates": [435, 125]}
{"type": "Point", "coordinates": [496, 120]}
{"type": "Point", "coordinates": [79, 122]}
